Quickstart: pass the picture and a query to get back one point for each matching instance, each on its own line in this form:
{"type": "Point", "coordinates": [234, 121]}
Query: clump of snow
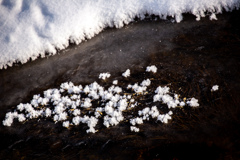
{"type": "Point", "coordinates": [134, 129]}
{"type": "Point", "coordinates": [213, 17]}
{"type": "Point", "coordinates": [135, 121]}
{"type": "Point", "coordinates": [87, 103]}
{"type": "Point", "coordinates": [72, 105]}
{"type": "Point", "coordinates": [126, 73]}
{"type": "Point", "coordinates": [215, 88]}
{"type": "Point", "coordinates": [193, 102]}
{"type": "Point", "coordinates": [76, 112]}
{"type": "Point", "coordinates": [152, 68]}
{"type": "Point", "coordinates": [115, 82]}
{"type": "Point", "coordinates": [146, 83]}
{"type": "Point", "coordinates": [104, 75]}
{"type": "Point", "coordinates": [164, 118]}
{"type": "Point", "coordinates": [48, 112]}
{"type": "Point", "coordinates": [48, 26]}
{"type": "Point", "coordinates": [66, 124]}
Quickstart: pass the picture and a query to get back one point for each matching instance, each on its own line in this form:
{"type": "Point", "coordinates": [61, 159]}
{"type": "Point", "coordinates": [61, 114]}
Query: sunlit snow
{"type": "Point", "coordinates": [74, 104]}
{"type": "Point", "coordinates": [32, 28]}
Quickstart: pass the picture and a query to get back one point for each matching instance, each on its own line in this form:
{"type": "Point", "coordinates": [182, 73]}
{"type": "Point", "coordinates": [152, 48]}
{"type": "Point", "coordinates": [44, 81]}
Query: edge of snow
{"type": "Point", "coordinates": [31, 29]}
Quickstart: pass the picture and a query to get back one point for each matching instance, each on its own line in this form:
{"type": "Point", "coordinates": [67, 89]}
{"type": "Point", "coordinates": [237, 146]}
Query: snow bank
{"type": "Point", "coordinates": [32, 28]}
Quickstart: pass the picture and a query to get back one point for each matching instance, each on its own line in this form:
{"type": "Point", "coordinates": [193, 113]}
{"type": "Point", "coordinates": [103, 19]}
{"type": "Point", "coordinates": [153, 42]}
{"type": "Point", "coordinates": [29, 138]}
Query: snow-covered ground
{"type": "Point", "coordinates": [31, 28]}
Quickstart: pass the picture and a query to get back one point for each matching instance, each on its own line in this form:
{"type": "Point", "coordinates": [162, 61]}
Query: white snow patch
{"type": "Point", "coordinates": [66, 124]}
{"type": "Point", "coordinates": [115, 82]}
{"type": "Point", "coordinates": [152, 68]}
{"type": "Point", "coordinates": [134, 129]}
{"type": "Point", "coordinates": [111, 105]}
{"type": "Point", "coordinates": [29, 29]}
{"type": "Point", "coordinates": [146, 83]}
{"type": "Point", "coordinates": [215, 88]}
{"type": "Point", "coordinates": [193, 102]}
{"type": "Point", "coordinates": [126, 73]}
{"type": "Point", "coordinates": [104, 75]}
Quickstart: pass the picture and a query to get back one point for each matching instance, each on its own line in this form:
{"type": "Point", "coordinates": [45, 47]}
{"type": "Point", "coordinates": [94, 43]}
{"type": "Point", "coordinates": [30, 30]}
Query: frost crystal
{"type": "Point", "coordinates": [112, 105]}
{"type": "Point", "coordinates": [66, 124]}
{"type": "Point", "coordinates": [193, 102]}
{"type": "Point", "coordinates": [134, 129]}
{"type": "Point", "coordinates": [126, 73]}
{"type": "Point", "coordinates": [104, 75]}
{"type": "Point", "coordinates": [215, 88]}
{"type": "Point", "coordinates": [152, 68]}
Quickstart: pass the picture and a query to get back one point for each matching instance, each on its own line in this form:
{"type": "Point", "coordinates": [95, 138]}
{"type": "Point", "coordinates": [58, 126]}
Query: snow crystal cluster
{"type": "Point", "coordinates": [126, 73]}
{"type": "Point", "coordinates": [104, 75]}
{"type": "Point", "coordinates": [48, 26]}
{"type": "Point", "coordinates": [162, 95]}
{"type": "Point", "coordinates": [152, 68]}
{"type": "Point", "coordinates": [215, 88]}
{"type": "Point", "coordinates": [76, 104]}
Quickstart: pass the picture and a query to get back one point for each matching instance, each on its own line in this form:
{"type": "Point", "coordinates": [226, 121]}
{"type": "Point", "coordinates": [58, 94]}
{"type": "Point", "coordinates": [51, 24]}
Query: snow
{"type": "Point", "coordinates": [115, 82]}
{"type": "Point", "coordinates": [71, 105]}
{"type": "Point", "coordinates": [87, 103]}
{"type": "Point", "coordinates": [152, 68]}
{"type": "Point", "coordinates": [76, 120]}
{"type": "Point", "coordinates": [140, 89]}
{"type": "Point", "coordinates": [76, 112]}
{"type": "Point", "coordinates": [66, 124]}
{"type": "Point", "coordinates": [164, 118]}
{"type": "Point", "coordinates": [126, 73]}
{"type": "Point", "coordinates": [20, 107]}
{"type": "Point", "coordinates": [146, 83]}
{"type": "Point", "coordinates": [104, 75]}
{"type": "Point", "coordinates": [30, 29]}
{"type": "Point", "coordinates": [193, 102]}
{"type": "Point", "coordinates": [48, 112]}
{"type": "Point", "coordinates": [21, 117]}
{"type": "Point", "coordinates": [215, 88]}
{"type": "Point", "coordinates": [135, 121]}
{"type": "Point", "coordinates": [134, 129]}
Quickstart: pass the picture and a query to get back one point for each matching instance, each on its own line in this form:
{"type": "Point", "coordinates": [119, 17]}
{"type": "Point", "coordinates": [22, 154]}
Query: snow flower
{"type": "Point", "coordinates": [126, 73]}
{"type": "Point", "coordinates": [9, 118]}
{"type": "Point", "coordinates": [76, 112]}
{"type": "Point", "coordinates": [193, 102]}
{"type": "Point", "coordinates": [21, 117]}
{"type": "Point", "coordinates": [87, 103]}
{"type": "Point", "coordinates": [162, 90]}
{"type": "Point", "coordinates": [65, 124]}
{"type": "Point", "coordinates": [8, 122]}
{"type": "Point", "coordinates": [48, 112]}
{"type": "Point", "coordinates": [91, 130]}
{"type": "Point", "coordinates": [20, 107]}
{"type": "Point", "coordinates": [76, 120]}
{"type": "Point", "coordinates": [182, 104]}
{"type": "Point", "coordinates": [164, 117]}
{"type": "Point", "coordinates": [152, 68]}
{"type": "Point", "coordinates": [86, 89]}
{"type": "Point", "coordinates": [154, 112]}
{"type": "Point", "coordinates": [122, 105]}
{"type": "Point", "coordinates": [146, 83]}
{"type": "Point", "coordinates": [115, 82]}
{"type": "Point", "coordinates": [214, 88]}
{"type": "Point", "coordinates": [134, 129]}
{"type": "Point", "coordinates": [135, 121]}
{"type": "Point", "coordinates": [117, 89]}
{"type": "Point", "coordinates": [104, 75]}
